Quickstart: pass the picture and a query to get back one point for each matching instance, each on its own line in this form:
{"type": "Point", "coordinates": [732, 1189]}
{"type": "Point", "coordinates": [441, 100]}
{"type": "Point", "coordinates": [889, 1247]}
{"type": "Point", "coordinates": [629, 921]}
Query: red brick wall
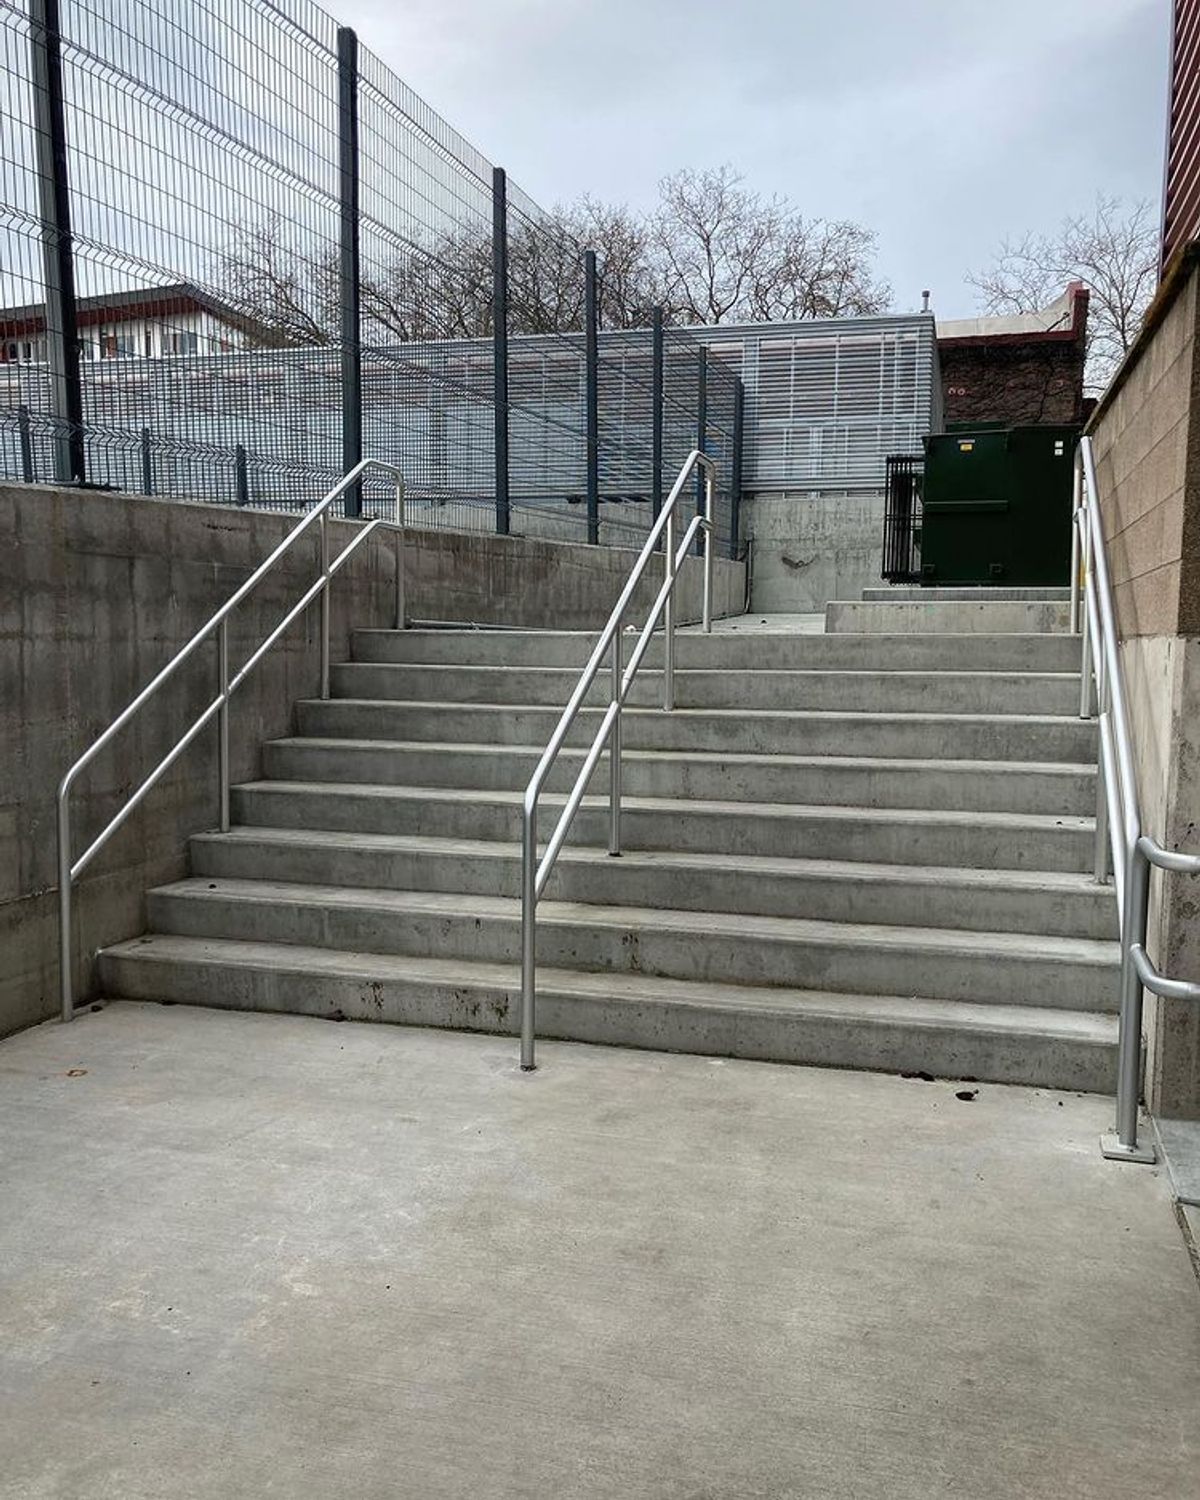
{"type": "Point", "coordinates": [1181, 196]}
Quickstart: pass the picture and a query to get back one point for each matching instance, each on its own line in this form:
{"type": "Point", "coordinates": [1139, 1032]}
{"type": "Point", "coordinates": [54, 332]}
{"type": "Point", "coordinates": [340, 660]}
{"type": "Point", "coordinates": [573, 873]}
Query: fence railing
{"type": "Point", "coordinates": [902, 518]}
{"type": "Point", "coordinates": [216, 629]}
{"type": "Point", "coordinates": [1119, 834]}
{"type": "Point", "coordinates": [534, 872]}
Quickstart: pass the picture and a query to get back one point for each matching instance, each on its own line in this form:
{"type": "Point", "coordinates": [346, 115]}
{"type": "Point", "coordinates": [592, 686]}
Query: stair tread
{"type": "Point", "coordinates": [871, 673]}
{"type": "Point", "coordinates": [737, 927]}
{"type": "Point", "coordinates": [1033, 1021]}
{"type": "Point", "coordinates": [1048, 881]}
{"type": "Point", "coordinates": [820, 715]}
{"type": "Point", "coordinates": [695, 757]}
{"type": "Point", "coordinates": [681, 805]}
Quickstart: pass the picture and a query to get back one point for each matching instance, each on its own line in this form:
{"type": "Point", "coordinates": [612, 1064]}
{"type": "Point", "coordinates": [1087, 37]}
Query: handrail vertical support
{"type": "Point", "coordinates": [65, 978]}
{"type": "Point", "coordinates": [223, 777]}
{"type": "Point", "coordinates": [1085, 667]}
{"type": "Point", "coordinates": [1076, 500]}
{"type": "Point", "coordinates": [528, 936]}
{"type": "Point", "coordinates": [401, 551]}
{"type": "Point", "coordinates": [669, 615]}
{"type": "Point", "coordinates": [709, 548]}
{"type": "Point", "coordinates": [1123, 1144]}
{"type": "Point", "coordinates": [325, 604]}
{"type": "Point", "coordinates": [1102, 853]}
{"type": "Point", "coordinates": [614, 752]}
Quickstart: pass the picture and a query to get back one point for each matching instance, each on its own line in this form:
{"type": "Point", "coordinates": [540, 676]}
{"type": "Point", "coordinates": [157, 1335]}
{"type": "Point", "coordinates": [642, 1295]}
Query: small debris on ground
{"type": "Point", "coordinates": [966, 1094]}
{"type": "Point", "coordinates": [76, 1072]}
{"type": "Point", "coordinates": [924, 1077]}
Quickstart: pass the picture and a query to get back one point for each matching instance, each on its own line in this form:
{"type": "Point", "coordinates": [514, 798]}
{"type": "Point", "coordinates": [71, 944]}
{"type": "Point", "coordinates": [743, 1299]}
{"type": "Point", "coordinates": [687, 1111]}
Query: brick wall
{"type": "Point", "coordinates": [1011, 380]}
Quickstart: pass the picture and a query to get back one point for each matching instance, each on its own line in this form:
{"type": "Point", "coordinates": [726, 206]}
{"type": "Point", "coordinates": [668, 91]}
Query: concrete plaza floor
{"type": "Point", "coordinates": [256, 1255]}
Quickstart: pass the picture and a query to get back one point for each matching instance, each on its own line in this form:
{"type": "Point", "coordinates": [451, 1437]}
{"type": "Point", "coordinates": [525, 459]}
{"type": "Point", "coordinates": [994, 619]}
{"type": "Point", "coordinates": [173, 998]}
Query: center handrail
{"type": "Point", "coordinates": [535, 874]}
{"type": "Point", "coordinates": [218, 707]}
{"type": "Point", "coordinates": [1119, 833]}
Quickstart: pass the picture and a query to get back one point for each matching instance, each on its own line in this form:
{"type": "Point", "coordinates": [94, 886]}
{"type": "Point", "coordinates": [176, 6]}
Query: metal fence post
{"type": "Point", "coordinates": [58, 260]}
{"type": "Point", "coordinates": [592, 374]}
{"type": "Point", "coordinates": [656, 414]}
{"type": "Point", "coordinates": [25, 442]}
{"type": "Point", "coordinates": [702, 540]}
{"type": "Point", "coordinates": [735, 470]}
{"type": "Point", "coordinates": [500, 343]}
{"type": "Point", "coordinates": [349, 268]}
{"type": "Point", "coordinates": [147, 463]}
{"type": "Point", "coordinates": [241, 476]}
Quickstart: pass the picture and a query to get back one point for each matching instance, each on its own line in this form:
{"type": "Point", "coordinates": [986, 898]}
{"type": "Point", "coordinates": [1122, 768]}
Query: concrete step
{"type": "Point", "coordinates": [705, 947]}
{"type": "Point", "coordinates": [1007, 737]}
{"type": "Point", "coordinates": [956, 593]}
{"type": "Point", "coordinates": [930, 617]}
{"type": "Point", "coordinates": [994, 786]}
{"type": "Point", "coordinates": [559, 648]}
{"type": "Point", "coordinates": [864, 691]}
{"type": "Point", "coordinates": [1063, 905]}
{"type": "Point", "coordinates": [1046, 1048]}
{"type": "Point", "coordinates": [975, 840]}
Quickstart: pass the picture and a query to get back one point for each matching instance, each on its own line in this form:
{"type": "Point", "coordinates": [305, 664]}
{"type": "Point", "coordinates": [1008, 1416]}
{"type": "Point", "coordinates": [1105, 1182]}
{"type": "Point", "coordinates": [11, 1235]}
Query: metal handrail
{"type": "Point", "coordinates": [1119, 834]}
{"type": "Point", "coordinates": [218, 708]}
{"type": "Point", "coordinates": [534, 875]}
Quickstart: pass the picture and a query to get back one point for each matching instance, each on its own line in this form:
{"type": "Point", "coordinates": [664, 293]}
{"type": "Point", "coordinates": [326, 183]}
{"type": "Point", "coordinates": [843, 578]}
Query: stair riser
{"type": "Point", "coordinates": [761, 1036]}
{"type": "Point", "coordinates": [836, 963]}
{"type": "Point", "coordinates": [933, 692]}
{"type": "Point", "coordinates": [614, 882]}
{"type": "Point", "coordinates": [903, 842]}
{"type": "Point", "coordinates": [975, 653]}
{"type": "Point", "coordinates": [1072, 793]}
{"type": "Point", "coordinates": [921, 617]}
{"type": "Point", "coordinates": [1010, 738]}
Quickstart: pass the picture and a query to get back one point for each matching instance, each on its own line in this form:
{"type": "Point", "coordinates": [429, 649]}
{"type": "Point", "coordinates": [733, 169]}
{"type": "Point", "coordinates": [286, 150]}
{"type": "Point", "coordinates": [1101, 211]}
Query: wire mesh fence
{"type": "Point", "coordinates": [237, 253]}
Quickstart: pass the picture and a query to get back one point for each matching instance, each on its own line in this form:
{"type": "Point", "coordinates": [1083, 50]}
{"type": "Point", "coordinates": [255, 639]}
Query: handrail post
{"type": "Point", "coordinates": [669, 615]}
{"type": "Point", "coordinates": [614, 752]}
{"type": "Point", "coordinates": [1100, 863]}
{"type": "Point", "coordinates": [528, 934]}
{"type": "Point", "coordinates": [1076, 494]}
{"type": "Point", "coordinates": [400, 556]}
{"type": "Point", "coordinates": [65, 978]}
{"type": "Point", "coordinates": [1085, 667]}
{"type": "Point", "coordinates": [325, 604]}
{"type": "Point", "coordinates": [709, 548]}
{"type": "Point", "coordinates": [1123, 1145]}
{"type": "Point", "coordinates": [223, 723]}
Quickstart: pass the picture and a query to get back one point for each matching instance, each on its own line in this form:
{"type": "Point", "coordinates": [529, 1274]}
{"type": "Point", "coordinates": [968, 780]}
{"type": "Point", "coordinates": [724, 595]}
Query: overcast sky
{"type": "Point", "coordinates": [941, 124]}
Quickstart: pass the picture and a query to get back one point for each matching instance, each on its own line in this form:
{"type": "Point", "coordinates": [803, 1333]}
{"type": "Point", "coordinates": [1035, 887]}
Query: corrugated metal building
{"type": "Point", "coordinates": [827, 401]}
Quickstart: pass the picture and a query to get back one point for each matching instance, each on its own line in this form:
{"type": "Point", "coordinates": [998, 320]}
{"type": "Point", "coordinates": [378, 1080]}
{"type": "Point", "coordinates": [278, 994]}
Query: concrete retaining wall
{"type": "Point", "coordinates": [1146, 434]}
{"type": "Point", "coordinates": [809, 549]}
{"type": "Point", "coordinates": [97, 591]}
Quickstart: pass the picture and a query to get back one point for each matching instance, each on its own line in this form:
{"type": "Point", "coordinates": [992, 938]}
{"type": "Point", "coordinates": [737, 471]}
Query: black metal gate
{"type": "Point", "coordinates": [902, 519]}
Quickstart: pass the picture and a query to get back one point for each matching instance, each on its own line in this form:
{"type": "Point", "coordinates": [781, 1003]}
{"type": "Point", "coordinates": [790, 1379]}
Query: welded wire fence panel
{"type": "Point", "coordinates": [281, 257]}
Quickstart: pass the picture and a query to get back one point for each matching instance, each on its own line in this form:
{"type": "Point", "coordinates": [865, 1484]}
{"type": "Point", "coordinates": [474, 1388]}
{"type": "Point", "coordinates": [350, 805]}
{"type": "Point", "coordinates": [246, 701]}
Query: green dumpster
{"type": "Point", "coordinates": [997, 506]}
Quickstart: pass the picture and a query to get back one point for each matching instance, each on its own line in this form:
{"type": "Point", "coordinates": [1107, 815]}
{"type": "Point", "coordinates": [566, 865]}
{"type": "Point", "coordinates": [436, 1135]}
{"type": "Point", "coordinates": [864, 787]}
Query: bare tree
{"type": "Point", "coordinates": [712, 251]}
{"type": "Point", "coordinates": [722, 252]}
{"type": "Point", "coordinates": [1113, 251]}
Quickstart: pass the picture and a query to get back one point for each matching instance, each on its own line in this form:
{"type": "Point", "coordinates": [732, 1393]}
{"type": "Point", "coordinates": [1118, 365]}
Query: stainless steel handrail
{"type": "Point", "coordinates": [1119, 832]}
{"type": "Point", "coordinates": [534, 875]}
{"type": "Point", "coordinates": [218, 708]}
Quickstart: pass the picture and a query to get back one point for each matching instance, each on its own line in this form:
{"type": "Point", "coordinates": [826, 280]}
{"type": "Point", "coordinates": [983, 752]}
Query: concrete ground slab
{"type": "Point", "coordinates": [248, 1256]}
{"type": "Point", "coordinates": [759, 622]}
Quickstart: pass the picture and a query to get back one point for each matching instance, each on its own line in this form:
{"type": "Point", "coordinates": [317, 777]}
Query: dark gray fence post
{"type": "Point", "coordinates": [735, 470]}
{"type": "Point", "coordinates": [147, 464]}
{"type": "Point", "coordinates": [591, 354]}
{"type": "Point", "coordinates": [241, 476]}
{"type": "Point", "coordinates": [58, 260]}
{"type": "Point", "coordinates": [656, 413]}
{"type": "Point", "coordinates": [25, 441]}
{"type": "Point", "coordinates": [701, 437]}
{"type": "Point", "coordinates": [500, 343]}
{"type": "Point", "coordinates": [349, 264]}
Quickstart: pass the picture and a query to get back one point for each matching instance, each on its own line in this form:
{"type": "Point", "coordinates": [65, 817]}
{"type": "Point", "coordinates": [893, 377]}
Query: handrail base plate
{"type": "Point", "coordinates": [1112, 1150]}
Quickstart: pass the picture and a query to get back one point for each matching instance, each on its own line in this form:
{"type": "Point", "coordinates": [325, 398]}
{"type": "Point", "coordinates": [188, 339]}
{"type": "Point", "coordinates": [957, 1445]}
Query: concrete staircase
{"type": "Point", "coordinates": [856, 849]}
